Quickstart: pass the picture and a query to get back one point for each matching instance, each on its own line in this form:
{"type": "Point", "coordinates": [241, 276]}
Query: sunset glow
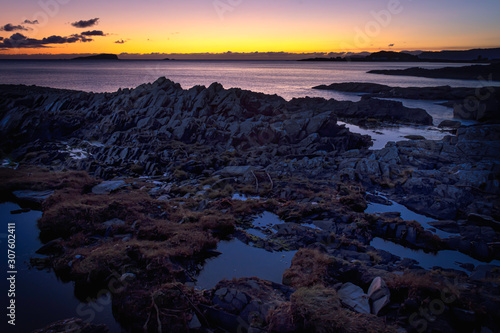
{"type": "Point", "coordinates": [216, 26]}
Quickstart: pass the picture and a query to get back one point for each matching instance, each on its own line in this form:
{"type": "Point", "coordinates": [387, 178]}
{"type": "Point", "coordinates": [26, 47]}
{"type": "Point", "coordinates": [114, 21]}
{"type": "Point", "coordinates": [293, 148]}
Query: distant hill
{"type": "Point", "coordinates": [103, 56]}
{"type": "Point", "coordinates": [375, 57]}
{"type": "Point", "coordinates": [391, 56]}
{"type": "Point", "coordinates": [467, 55]}
{"type": "Point", "coordinates": [474, 72]}
{"type": "Point", "coordinates": [476, 55]}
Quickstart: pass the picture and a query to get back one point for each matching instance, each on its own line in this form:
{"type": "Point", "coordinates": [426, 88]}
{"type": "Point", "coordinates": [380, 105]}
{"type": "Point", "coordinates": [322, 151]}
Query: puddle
{"type": "Point", "coordinates": [406, 214]}
{"type": "Point", "coordinates": [444, 259]}
{"type": "Point", "coordinates": [240, 260]}
{"type": "Point", "coordinates": [243, 197]}
{"type": "Point", "coordinates": [263, 225]}
{"type": "Point", "coordinates": [381, 136]}
{"type": "Point", "coordinates": [40, 297]}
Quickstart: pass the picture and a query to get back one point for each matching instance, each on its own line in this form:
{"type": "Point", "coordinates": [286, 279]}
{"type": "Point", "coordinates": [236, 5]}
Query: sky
{"type": "Point", "coordinates": [242, 26]}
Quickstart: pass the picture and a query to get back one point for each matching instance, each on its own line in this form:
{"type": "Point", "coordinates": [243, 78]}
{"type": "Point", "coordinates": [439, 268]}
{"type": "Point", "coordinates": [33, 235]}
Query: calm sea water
{"type": "Point", "coordinates": [288, 79]}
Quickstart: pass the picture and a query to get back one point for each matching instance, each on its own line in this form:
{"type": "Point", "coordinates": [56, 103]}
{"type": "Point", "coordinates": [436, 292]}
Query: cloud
{"type": "Point", "coordinates": [93, 33]}
{"type": "Point", "coordinates": [120, 41]}
{"type": "Point", "coordinates": [391, 45]}
{"type": "Point", "coordinates": [30, 22]}
{"type": "Point", "coordinates": [1, 38]}
{"type": "Point", "coordinates": [18, 40]}
{"type": "Point", "coordinates": [85, 23]}
{"type": "Point", "coordinates": [9, 27]}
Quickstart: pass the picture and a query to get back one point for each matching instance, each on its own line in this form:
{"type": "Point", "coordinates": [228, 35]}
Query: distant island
{"type": "Point", "coordinates": [103, 56]}
{"type": "Point", "coordinates": [391, 56]}
{"type": "Point", "coordinates": [474, 72]}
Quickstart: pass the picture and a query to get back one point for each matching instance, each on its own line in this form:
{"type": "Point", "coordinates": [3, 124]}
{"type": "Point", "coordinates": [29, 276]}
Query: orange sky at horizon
{"type": "Point", "coordinates": [294, 26]}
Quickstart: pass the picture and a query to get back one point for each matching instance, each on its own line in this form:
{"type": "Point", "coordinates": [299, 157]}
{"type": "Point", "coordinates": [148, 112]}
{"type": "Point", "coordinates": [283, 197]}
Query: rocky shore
{"type": "Point", "coordinates": [139, 187]}
{"type": "Point", "coordinates": [480, 103]}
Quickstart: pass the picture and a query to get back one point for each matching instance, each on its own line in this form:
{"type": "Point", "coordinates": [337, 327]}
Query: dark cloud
{"type": "Point", "coordinates": [93, 33]}
{"type": "Point", "coordinates": [9, 27]}
{"type": "Point", "coordinates": [85, 23]}
{"type": "Point", "coordinates": [120, 42]}
{"type": "Point", "coordinates": [391, 45]}
{"type": "Point", "coordinates": [30, 22]}
{"type": "Point", "coordinates": [18, 40]}
{"type": "Point", "coordinates": [1, 38]}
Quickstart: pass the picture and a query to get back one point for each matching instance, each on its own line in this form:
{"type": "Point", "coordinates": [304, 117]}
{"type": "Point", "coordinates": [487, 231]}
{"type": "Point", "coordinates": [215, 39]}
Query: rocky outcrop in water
{"type": "Point", "coordinates": [481, 103]}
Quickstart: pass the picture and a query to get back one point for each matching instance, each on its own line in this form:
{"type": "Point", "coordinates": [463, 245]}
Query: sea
{"type": "Point", "coordinates": [288, 79]}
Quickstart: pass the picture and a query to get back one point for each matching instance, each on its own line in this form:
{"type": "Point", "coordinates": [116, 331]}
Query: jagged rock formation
{"type": "Point", "coordinates": [139, 126]}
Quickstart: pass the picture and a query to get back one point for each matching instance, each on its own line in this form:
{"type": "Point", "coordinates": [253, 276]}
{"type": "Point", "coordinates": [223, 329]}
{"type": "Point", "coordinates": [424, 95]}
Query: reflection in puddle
{"type": "Point", "coordinates": [445, 259]}
{"type": "Point", "coordinates": [407, 215]}
{"type": "Point", "coordinates": [240, 260]}
{"type": "Point", "coordinates": [243, 197]}
{"type": "Point", "coordinates": [40, 296]}
{"type": "Point", "coordinates": [381, 136]}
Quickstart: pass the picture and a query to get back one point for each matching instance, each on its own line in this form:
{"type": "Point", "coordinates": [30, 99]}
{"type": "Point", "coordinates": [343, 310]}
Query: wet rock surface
{"type": "Point", "coordinates": [167, 165]}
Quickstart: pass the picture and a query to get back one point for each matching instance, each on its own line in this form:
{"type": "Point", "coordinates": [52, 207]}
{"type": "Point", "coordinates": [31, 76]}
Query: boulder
{"type": "Point", "coordinates": [379, 295]}
{"type": "Point", "coordinates": [354, 297]}
{"type": "Point", "coordinates": [450, 124]}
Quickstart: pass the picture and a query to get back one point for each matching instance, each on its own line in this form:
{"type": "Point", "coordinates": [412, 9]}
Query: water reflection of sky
{"type": "Point", "coordinates": [446, 259]}
{"type": "Point", "coordinates": [240, 260]}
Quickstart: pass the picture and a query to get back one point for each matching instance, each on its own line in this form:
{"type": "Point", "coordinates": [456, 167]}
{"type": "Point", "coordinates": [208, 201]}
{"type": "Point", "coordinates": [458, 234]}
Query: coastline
{"type": "Point", "coordinates": [166, 162]}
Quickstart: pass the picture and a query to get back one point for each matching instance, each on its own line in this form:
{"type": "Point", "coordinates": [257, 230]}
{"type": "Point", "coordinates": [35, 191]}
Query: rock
{"type": "Point", "coordinates": [114, 223]}
{"type": "Point", "coordinates": [53, 247]}
{"type": "Point", "coordinates": [20, 211]}
{"type": "Point", "coordinates": [446, 225]}
{"type": "Point", "coordinates": [379, 295]}
{"type": "Point", "coordinates": [414, 137]}
{"type": "Point", "coordinates": [107, 187]}
{"type": "Point", "coordinates": [73, 325]}
{"type": "Point", "coordinates": [482, 272]}
{"type": "Point", "coordinates": [354, 297]}
{"type": "Point", "coordinates": [450, 124]}
{"type": "Point", "coordinates": [483, 220]}
{"type": "Point", "coordinates": [195, 323]}
{"type": "Point", "coordinates": [33, 196]}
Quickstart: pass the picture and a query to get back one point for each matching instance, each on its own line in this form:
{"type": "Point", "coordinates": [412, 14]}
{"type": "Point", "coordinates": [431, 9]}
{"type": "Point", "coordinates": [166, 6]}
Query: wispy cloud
{"type": "Point", "coordinates": [121, 41]}
{"type": "Point", "coordinates": [30, 22]}
{"type": "Point", "coordinates": [391, 45]}
{"type": "Point", "coordinates": [10, 27]}
{"type": "Point", "coordinates": [85, 23]}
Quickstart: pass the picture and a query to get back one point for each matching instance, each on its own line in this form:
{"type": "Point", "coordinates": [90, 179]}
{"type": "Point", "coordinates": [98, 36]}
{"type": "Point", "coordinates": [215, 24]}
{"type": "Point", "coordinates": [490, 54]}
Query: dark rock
{"type": "Point", "coordinates": [107, 187]}
{"type": "Point", "coordinates": [450, 124]}
{"type": "Point", "coordinates": [379, 295]}
{"type": "Point", "coordinates": [354, 297]}
{"type": "Point", "coordinates": [482, 272]}
{"type": "Point", "coordinates": [53, 247]}
{"type": "Point", "coordinates": [20, 211]}
{"type": "Point", "coordinates": [483, 220]}
{"type": "Point", "coordinates": [33, 196]}
{"type": "Point", "coordinates": [447, 225]}
{"type": "Point", "coordinates": [73, 325]}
